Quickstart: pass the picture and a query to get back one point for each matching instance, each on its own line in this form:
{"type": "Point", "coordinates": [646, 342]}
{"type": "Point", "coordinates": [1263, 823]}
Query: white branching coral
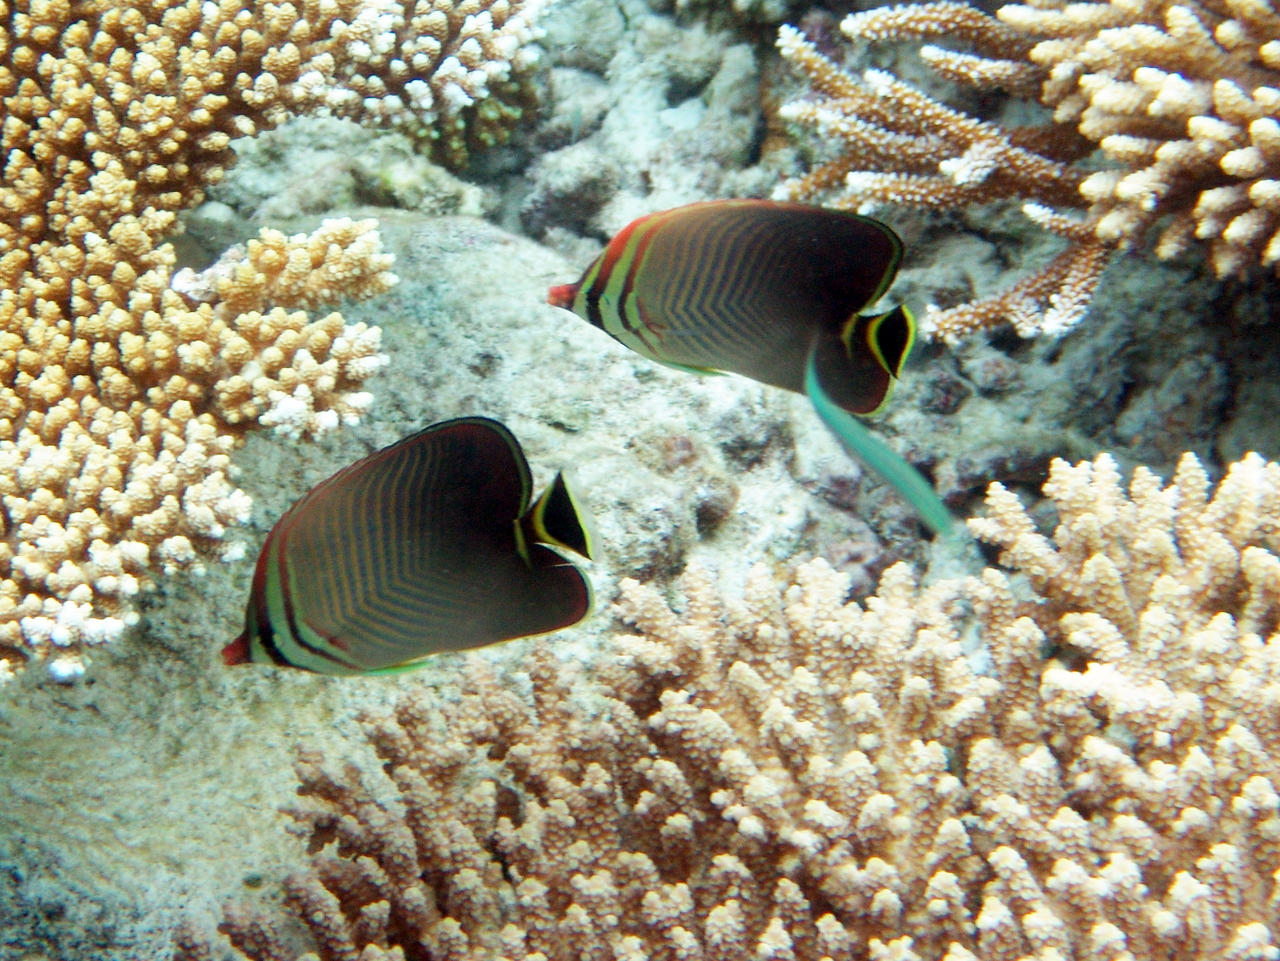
{"type": "Point", "coordinates": [125, 383]}
{"type": "Point", "coordinates": [281, 369]}
{"type": "Point", "coordinates": [1078, 759]}
{"type": "Point", "coordinates": [450, 72]}
{"type": "Point", "coordinates": [1181, 98]}
{"type": "Point", "coordinates": [111, 473]}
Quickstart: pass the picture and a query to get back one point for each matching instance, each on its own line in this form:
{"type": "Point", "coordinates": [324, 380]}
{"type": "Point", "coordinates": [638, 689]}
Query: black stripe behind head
{"type": "Point", "coordinates": [558, 520]}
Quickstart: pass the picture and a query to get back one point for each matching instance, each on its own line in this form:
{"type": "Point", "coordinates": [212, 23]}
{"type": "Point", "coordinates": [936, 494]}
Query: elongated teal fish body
{"type": "Point", "coordinates": [428, 545]}
{"type": "Point", "coordinates": [757, 288]}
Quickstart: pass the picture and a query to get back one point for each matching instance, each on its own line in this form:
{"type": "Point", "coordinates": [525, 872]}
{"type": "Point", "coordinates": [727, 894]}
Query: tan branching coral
{"type": "Point", "coordinates": [124, 385]}
{"type": "Point", "coordinates": [272, 364]}
{"type": "Point", "coordinates": [452, 73]}
{"type": "Point", "coordinates": [1081, 759]}
{"type": "Point", "coordinates": [1182, 98]}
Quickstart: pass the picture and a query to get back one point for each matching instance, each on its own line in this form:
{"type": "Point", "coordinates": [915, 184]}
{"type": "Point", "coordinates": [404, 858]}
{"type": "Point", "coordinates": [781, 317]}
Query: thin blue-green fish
{"type": "Point", "coordinates": [432, 544]}
{"type": "Point", "coordinates": [772, 291]}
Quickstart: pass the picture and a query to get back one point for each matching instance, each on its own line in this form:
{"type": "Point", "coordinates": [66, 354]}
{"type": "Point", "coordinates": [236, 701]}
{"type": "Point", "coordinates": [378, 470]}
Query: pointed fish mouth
{"type": "Point", "coordinates": [237, 652]}
{"type": "Point", "coordinates": [561, 295]}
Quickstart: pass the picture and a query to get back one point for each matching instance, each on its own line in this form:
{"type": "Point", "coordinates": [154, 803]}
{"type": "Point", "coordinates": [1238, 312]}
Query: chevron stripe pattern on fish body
{"type": "Point", "coordinates": [772, 291]}
{"type": "Point", "coordinates": [757, 288]}
{"type": "Point", "coordinates": [428, 545]}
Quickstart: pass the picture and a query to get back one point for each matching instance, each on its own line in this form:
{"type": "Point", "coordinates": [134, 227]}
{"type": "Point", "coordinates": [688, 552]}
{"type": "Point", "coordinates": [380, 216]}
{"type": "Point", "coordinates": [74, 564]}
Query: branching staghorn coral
{"type": "Point", "coordinates": [1078, 759]}
{"type": "Point", "coordinates": [453, 74]}
{"type": "Point", "coordinates": [124, 385]}
{"type": "Point", "coordinates": [1181, 98]}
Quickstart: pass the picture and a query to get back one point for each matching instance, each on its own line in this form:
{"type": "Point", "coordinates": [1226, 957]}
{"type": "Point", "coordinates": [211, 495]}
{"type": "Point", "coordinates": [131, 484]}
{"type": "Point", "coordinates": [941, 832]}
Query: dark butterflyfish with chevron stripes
{"type": "Point", "coordinates": [432, 544]}
{"type": "Point", "coordinates": [773, 291]}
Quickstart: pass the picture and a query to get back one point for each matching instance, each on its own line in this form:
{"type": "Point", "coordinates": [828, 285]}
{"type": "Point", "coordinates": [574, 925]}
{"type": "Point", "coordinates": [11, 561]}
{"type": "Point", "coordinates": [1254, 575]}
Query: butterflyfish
{"type": "Point", "coordinates": [773, 291]}
{"type": "Point", "coordinates": [432, 544]}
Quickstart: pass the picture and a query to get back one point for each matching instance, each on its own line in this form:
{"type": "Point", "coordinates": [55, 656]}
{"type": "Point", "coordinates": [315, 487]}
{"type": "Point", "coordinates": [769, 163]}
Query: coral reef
{"type": "Point", "coordinates": [1181, 99]}
{"type": "Point", "coordinates": [648, 114]}
{"type": "Point", "coordinates": [126, 383]}
{"type": "Point", "coordinates": [1080, 760]}
{"type": "Point", "coordinates": [453, 74]}
{"type": "Point", "coordinates": [154, 784]}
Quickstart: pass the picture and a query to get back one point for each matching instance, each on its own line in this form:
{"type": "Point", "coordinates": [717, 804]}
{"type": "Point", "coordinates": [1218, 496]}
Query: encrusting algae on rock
{"type": "Point", "coordinates": [1084, 765]}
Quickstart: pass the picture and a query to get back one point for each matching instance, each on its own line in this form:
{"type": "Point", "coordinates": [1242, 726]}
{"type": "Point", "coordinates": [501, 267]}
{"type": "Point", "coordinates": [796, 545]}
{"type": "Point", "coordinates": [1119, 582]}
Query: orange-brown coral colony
{"type": "Point", "coordinates": [783, 773]}
{"type": "Point", "coordinates": [125, 385]}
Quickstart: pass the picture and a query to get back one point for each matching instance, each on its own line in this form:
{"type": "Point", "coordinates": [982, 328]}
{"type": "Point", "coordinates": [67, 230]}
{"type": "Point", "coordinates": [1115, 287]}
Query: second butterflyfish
{"type": "Point", "coordinates": [773, 291]}
{"type": "Point", "coordinates": [432, 544]}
